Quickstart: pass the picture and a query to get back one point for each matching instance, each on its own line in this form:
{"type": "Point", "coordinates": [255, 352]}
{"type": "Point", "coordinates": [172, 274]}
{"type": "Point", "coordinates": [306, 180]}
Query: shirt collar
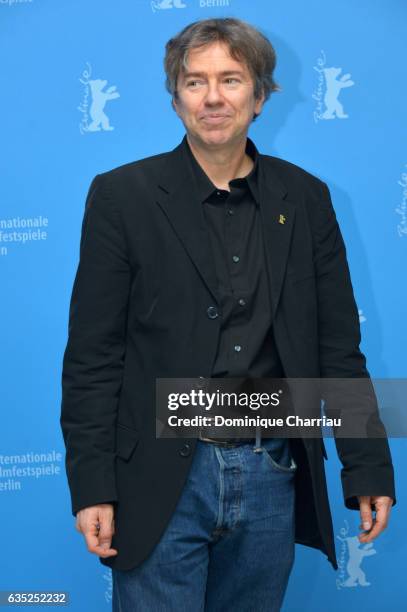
{"type": "Point", "coordinates": [202, 183]}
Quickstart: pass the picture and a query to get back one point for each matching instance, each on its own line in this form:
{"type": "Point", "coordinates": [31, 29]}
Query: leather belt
{"type": "Point", "coordinates": [226, 442]}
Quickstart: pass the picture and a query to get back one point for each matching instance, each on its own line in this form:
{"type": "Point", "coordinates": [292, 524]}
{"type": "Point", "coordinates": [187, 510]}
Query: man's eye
{"type": "Point", "coordinates": [192, 83]}
{"type": "Point", "coordinates": [232, 79]}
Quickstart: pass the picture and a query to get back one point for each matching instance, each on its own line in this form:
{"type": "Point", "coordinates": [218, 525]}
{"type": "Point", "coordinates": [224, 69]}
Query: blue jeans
{"type": "Point", "coordinates": [229, 544]}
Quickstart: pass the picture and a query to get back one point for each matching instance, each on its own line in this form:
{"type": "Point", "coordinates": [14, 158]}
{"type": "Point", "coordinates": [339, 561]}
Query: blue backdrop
{"type": "Point", "coordinates": [82, 92]}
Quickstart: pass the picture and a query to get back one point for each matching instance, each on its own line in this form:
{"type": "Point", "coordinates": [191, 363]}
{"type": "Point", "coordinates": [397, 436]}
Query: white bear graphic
{"type": "Point", "coordinates": [99, 99]}
{"type": "Point", "coordinates": [362, 317]}
{"type": "Point", "coordinates": [333, 88]}
{"type": "Point", "coordinates": [166, 4]}
{"type": "Point", "coordinates": [163, 4]}
{"type": "Point", "coordinates": [356, 555]}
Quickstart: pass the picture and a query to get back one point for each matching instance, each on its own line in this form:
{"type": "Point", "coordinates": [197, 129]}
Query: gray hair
{"type": "Point", "coordinates": [246, 44]}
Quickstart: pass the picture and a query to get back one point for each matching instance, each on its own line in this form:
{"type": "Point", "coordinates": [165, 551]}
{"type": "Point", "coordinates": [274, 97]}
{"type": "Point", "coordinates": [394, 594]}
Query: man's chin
{"type": "Point", "coordinates": [215, 137]}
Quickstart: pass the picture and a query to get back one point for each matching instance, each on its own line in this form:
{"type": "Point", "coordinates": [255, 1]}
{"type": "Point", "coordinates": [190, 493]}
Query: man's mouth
{"type": "Point", "coordinates": [214, 118]}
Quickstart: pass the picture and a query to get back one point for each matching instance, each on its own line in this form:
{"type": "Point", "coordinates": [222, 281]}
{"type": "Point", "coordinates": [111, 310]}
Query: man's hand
{"type": "Point", "coordinates": [373, 527]}
{"type": "Point", "coordinates": [97, 525]}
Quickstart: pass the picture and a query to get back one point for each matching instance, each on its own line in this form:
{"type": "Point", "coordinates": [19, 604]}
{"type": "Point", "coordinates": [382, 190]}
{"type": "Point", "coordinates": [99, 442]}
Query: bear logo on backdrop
{"type": "Point", "coordinates": [362, 317]}
{"type": "Point", "coordinates": [328, 89]}
{"type": "Point", "coordinates": [166, 4]}
{"type": "Point", "coordinates": [351, 555]}
{"type": "Point", "coordinates": [94, 99]}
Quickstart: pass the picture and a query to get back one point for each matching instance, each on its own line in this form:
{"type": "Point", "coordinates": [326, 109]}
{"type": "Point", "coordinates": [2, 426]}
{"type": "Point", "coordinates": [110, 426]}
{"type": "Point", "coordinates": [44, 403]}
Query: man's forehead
{"type": "Point", "coordinates": [212, 56]}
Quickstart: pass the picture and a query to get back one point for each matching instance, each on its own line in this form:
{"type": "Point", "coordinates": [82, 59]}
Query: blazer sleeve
{"type": "Point", "coordinates": [367, 464]}
{"type": "Point", "coordinates": [94, 355]}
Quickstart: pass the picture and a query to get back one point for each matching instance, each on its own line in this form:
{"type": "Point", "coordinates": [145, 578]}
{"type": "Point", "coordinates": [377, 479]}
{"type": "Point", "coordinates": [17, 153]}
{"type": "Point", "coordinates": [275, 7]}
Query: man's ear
{"type": "Point", "coordinates": [174, 105]}
{"type": "Point", "coordinates": [259, 104]}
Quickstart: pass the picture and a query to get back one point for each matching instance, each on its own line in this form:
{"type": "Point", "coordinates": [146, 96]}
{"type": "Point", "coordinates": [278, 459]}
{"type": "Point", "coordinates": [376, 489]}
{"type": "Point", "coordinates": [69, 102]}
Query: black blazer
{"type": "Point", "coordinates": [138, 311]}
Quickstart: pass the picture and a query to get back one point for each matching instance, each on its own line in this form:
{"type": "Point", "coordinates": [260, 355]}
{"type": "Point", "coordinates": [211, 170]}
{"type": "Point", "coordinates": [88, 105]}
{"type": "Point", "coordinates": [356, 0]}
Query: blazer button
{"type": "Point", "coordinates": [185, 451]}
{"type": "Point", "coordinates": [212, 312]}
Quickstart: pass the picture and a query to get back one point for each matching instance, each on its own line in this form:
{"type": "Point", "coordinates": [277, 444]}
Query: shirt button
{"type": "Point", "coordinates": [231, 211]}
{"type": "Point", "coordinates": [236, 258]}
{"type": "Point", "coordinates": [242, 302]}
{"type": "Point", "coordinates": [212, 312]}
{"type": "Point", "coordinates": [237, 348]}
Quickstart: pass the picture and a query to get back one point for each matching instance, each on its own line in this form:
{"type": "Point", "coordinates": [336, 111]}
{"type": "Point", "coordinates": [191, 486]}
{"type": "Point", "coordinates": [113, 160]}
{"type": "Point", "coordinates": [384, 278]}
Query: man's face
{"type": "Point", "coordinates": [216, 96]}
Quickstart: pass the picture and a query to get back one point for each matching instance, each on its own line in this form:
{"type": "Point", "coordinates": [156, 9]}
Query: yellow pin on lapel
{"type": "Point", "coordinates": [281, 219]}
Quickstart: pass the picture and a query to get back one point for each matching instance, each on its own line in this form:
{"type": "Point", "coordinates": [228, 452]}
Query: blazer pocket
{"type": "Point", "coordinates": [126, 441]}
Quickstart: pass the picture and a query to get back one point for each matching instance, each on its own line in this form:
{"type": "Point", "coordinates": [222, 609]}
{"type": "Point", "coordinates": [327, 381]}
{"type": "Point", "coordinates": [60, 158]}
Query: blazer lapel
{"type": "Point", "coordinates": [176, 199]}
{"type": "Point", "coordinates": [277, 213]}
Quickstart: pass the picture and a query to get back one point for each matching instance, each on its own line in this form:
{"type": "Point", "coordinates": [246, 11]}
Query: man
{"type": "Point", "coordinates": [211, 260]}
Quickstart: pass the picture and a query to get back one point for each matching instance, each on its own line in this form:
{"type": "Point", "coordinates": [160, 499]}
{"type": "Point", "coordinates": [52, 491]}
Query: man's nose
{"type": "Point", "coordinates": [213, 94]}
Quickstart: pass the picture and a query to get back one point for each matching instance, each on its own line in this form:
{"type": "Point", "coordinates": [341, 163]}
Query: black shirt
{"type": "Point", "coordinates": [246, 347]}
